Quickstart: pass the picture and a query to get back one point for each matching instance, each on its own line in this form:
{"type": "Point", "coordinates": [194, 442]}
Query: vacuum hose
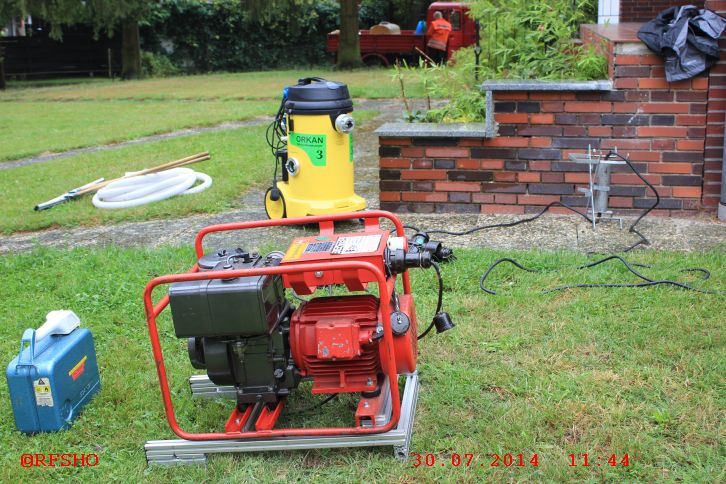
{"type": "Point", "coordinates": [140, 190]}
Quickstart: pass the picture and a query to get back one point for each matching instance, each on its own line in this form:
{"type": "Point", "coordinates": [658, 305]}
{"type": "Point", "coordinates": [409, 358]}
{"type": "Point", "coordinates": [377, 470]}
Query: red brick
{"type": "Point", "coordinates": [625, 107]}
{"type": "Point", "coordinates": [574, 131]}
{"type": "Point", "coordinates": [446, 152]}
{"type": "Point", "coordinates": [649, 59]}
{"type": "Point", "coordinates": [690, 144]}
{"type": "Point", "coordinates": [537, 199]}
{"type": "Point", "coordinates": [467, 164]}
{"type": "Point", "coordinates": [411, 152]}
{"type": "Point", "coordinates": [667, 108]}
{"type": "Point", "coordinates": [680, 168]}
{"type": "Point", "coordinates": [509, 142]}
{"type": "Point", "coordinates": [482, 198]}
{"type": "Point", "coordinates": [390, 196]}
{"type": "Point", "coordinates": [470, 142]}
{"type": "Point", "coordinates": [394, 141]}
{"type": "Point", "coordinates": [511, 95]}
{"type": "Point", "coordinates": [505, 176]}
{"type": "Point", "coordinates": [620, 202]}
{"type": "Point", "coordinates": [511, 118]}
{"type": "Point", "coordinates": [663, 144]}
{"type": "Point", "coordinates": [662, 131]}
{"type": "Point", "coordinates": [457, 187]}
{"type": "Point", "coordinates": [552, 96]}
{"type": "Point", "coordinates": [604, 131]}
{"type": "Point", "coordinates": [552, 107]}
{"type": "Point", "coordinates": [577, 178]}
{"type": "Point", "coordinates": [632, 179]}
{"type": "Point", "coordinates": [492, 164]}
{"type": "Point", "coordinates": [700, 83]}
{"type": "Point", "coordinates": [626, 144]}
{"type": "Point", "coordinates": [636, 155]}
{"type": "Point", "coordinates": [648, 83]}
{"type": "Point", "coordinates": [507, 198]}
{"type": "Point", "coordinates": [553, 177]}
{"type": "Point", "coordinates": [423, 164]}
{"type": "Point", "coordinates": [394, 163]}
{"type": "Point", "coordinates": [502, 209]}
{"type": "Point", "coordinates": [626, 83]}
{"type": "Point", "coordinates": [424, 197]}
{"type": "Point", "coordinates": [687, 192]}
{"type": "Point", "coordinates": [537, 142]}
{"type": "Point", "coordinates": [588, 107]}
{"type": "Point", "coordinates": [528, 177]}
{"type": "Point", "coordinates": [691, 120]}
{"type": "Point", "coordinates": [540, 165]}
{"type": "Point", "coordinates": [423, 175]}
{"type": "Point", "coordinates": [542, 119]}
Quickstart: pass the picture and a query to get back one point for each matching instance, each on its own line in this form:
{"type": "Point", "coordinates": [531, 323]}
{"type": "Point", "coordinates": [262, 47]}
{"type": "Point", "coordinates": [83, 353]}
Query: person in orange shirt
{"type": "Point", "coordinates": [438, 37]}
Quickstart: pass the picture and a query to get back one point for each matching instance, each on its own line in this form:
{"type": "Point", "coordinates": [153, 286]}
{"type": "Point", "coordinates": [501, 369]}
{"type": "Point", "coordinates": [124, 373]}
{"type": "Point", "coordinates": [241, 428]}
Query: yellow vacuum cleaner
{"type": "Point", "coordinates": [311, 140]}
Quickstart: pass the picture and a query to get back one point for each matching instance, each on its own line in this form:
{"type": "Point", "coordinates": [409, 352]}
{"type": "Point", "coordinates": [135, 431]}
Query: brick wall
{"type": "Point", "coordinates": [715, 121]}
{"type": "Point", "coordinates": [661, 126]}
{"type": "Point", "coordinates": [644, 10]}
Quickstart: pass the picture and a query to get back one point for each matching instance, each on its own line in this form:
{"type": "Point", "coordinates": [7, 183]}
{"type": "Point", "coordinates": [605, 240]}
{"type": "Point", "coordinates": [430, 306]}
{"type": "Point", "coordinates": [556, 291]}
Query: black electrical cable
{"type": "Point", "coordinates": [630, 266]}
{"type": "Point", "coordinates": [314, 406]}
{"type": "Point", "coordinates": [440, 302]}
{"type": "Point", "coordinates": [491, 268]}
{"type": "Point", "coordinates": [501, 225]}
{"type": "Point", "coordinates": [643, 239]}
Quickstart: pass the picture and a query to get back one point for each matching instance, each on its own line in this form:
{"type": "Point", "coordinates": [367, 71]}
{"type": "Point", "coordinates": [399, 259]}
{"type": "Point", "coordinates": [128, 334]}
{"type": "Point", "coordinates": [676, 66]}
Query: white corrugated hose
{"type": "Point", "coordinates": [140, 190]}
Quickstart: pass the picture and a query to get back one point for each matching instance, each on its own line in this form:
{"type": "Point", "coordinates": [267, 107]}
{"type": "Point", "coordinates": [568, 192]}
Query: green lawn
{"type": "Point", "coordinates": [597, 371]}
{"type": "Point", "coordinates": [60, 117]}
{"type": "Point", "coordinates": [240, 158]}
{"type": "Point", "coordinates": [35, 127]}
{"type": "Point", "coordinates": [363, 83]}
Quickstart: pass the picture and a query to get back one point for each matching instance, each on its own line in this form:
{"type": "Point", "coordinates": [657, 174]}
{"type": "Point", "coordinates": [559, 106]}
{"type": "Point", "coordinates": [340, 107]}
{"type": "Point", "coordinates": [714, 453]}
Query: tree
{"type": "Point", "coordinates": [349, 43]}
{"type": "Point", "coordinates": [108, 15]}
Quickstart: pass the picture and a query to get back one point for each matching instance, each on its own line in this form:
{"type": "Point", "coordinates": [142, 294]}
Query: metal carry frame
{"type": "Point", "coordinates": [286, 438]}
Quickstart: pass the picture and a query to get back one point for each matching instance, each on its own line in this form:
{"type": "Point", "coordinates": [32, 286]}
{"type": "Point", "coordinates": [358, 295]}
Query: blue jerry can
{"type": "Point", "coordinates": [54, 375]}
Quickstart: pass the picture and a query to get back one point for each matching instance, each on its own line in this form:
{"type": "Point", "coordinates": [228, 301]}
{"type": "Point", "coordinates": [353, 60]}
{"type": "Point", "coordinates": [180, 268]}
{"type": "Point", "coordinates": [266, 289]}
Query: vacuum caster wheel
{"type": "Point", "coordinates": [275, 209]}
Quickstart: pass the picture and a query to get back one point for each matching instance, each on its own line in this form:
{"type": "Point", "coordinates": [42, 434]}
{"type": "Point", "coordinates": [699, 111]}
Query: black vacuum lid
{"type": "Point", "coordinates": [314, 95]}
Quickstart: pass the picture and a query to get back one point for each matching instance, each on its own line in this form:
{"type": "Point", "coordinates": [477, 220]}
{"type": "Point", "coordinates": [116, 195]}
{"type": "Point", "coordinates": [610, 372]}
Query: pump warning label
{"type": "Point", "coordinates": [43, 396]}
{"type": "Point", "coordinates": [356, 245]}
{"type": "Point", "coordinates": [312, 144]}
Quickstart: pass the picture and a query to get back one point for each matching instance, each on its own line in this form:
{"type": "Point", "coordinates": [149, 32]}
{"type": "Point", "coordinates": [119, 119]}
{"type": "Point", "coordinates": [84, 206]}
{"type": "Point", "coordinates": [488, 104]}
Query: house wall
{"type": "Point", "coordinates": [713, 155]}
{"type": "Point", "coordinates": [660, 125]}
{"type": "Point", "coordinates": [644, 10]}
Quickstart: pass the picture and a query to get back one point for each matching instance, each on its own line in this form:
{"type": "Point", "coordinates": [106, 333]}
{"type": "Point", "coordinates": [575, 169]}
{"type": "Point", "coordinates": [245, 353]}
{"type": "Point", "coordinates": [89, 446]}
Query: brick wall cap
{"type": "Point", "coordinates": [534, 85]}
{"type": "Point", "coordinates": [622, 32]}
{"type": "Point", "coordinates": [433, 130]}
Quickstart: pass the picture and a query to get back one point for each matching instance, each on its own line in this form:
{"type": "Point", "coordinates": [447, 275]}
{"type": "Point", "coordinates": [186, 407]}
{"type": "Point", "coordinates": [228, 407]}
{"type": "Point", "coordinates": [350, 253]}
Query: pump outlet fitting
{"type": "Point", "coordinates": [344, 123]}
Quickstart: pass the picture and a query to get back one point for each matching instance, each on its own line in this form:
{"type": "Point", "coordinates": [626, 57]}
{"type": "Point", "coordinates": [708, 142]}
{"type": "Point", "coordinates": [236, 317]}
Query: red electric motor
{"type": "Point", "coordinates": [236, 311]}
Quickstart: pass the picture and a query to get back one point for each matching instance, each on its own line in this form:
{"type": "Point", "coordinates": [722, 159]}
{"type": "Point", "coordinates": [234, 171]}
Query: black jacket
{"type": "Point", "coordinates": [687, 38]}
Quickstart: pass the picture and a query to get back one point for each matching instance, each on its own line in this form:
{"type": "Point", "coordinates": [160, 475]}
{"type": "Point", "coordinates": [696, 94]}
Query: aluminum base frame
{"type": "Point", "coordinates": [173, 452]}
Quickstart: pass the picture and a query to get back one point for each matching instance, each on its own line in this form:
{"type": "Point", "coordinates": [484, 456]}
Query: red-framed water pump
{"type": "Point", "coordinates": [242, 328]}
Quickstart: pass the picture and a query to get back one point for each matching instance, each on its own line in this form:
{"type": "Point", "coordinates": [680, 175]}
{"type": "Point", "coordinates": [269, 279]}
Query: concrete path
{"type": "Point", "coordinates": [550, 232]}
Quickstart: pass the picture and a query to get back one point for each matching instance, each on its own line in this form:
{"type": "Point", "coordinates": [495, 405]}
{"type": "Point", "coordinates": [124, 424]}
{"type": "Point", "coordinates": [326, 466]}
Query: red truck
{"type": "Point", "coordinates": [382, 49]}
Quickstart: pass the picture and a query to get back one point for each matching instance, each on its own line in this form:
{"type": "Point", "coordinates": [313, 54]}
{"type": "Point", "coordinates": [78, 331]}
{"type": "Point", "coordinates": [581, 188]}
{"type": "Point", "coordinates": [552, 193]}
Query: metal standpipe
{"type": "Point", "coordinates": [173, 452]}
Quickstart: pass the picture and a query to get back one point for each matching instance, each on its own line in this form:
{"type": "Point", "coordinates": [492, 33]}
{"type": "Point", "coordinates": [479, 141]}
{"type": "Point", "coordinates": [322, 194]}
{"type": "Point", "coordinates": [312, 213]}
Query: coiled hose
{"type": "Point", "coordinates": [140, 190]}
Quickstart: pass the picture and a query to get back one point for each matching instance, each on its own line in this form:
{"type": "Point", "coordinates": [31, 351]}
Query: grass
{"type": "Point", "coordinates": [363, 83]}
{"type": "Point", "coordinates": [34, 127]}
{"type": "Point", "coordinates": [60, 117]}
{"type": "Point", "coordinates": [240, 159]}
{"type": "Point", "coordinates": [607, 371]}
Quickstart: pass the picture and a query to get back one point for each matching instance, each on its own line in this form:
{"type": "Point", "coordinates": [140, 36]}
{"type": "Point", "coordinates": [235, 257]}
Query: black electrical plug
{"type": "Point", "coordinates": [443, 322]}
